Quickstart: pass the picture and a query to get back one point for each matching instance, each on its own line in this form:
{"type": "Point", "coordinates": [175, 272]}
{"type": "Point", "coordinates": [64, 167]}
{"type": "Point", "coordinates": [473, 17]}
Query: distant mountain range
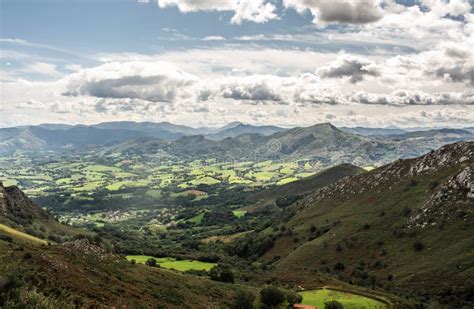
{"type": "Point", "coordinates": [322, 143]}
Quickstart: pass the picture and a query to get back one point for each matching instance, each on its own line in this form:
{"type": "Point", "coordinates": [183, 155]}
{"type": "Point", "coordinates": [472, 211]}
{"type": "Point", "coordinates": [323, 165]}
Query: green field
{"type": "Point", "coordinates": [348, 300]}
{"type": "Point", "coordinates": [239, 213]}
{"type": "Point", "coordinates": [171, 263]}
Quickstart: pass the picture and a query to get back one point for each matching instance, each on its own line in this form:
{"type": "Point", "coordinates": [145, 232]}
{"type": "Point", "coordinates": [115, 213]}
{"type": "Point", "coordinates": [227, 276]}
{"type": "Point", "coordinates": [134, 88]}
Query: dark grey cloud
{"type": "Point", "coordinates": [159, 88]}
{"type": "Point", "coordinates": [260, 91]}
{"type": "Point", "coordinates": [354, 68]}
{"type": "Point", "coordinates": [458, 73]}
{"type": "Point", "coordinates": [341, 11]}
{"type": "Point", "coordinates": [353, 12]}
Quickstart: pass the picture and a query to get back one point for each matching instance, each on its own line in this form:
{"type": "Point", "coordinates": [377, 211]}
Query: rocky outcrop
{"type": "Point", "coordinates": [16, 206]}
{"type": "Point", "coordinates": [458, 155]}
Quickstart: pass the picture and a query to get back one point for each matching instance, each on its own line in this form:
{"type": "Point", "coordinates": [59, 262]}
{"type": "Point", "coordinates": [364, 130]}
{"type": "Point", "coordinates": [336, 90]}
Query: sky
{"type": "Point", "coordinates": [373, 63]}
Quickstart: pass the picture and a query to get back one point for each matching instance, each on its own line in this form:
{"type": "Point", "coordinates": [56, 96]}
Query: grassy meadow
{"type": "Point", "coordinates": [171, 263]}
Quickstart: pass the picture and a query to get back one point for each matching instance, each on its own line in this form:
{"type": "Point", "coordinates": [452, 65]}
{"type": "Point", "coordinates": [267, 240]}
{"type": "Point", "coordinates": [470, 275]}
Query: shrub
{"type": "Point", "coordinates": [339, 267]}
{"type": "Point", "coordinates": [272, 296]}
{"type": "Point", "coordinates": [418, 246]}
{"type": "Point", "coordinates": [406, 211]}
{"type": "Point", "coordinates": [222, 274]}
{"type": "Point", "coordinates": [333, 304]}
{"type": "Point", "coordinates": [293, 298]}
{"type": "Point", "coordinates": [151, 262]}
{"type": "Point", "coordinates": [244, 300]}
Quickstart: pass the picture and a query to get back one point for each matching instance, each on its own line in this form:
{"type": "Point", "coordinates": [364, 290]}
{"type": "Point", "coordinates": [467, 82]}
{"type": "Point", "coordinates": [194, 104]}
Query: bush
{"type": "Point", "coordinates": [272, 296]}
{"type": "Point", "coordinates": [418, 246]}
{"type": "Point", "coordinates": [293, 298]}
{"type": "Point", "coordinates": [339, 267]}
{"type": "Point", "coordinates": [333, 304]}
{"type": "Point", "coordinates": [151, 262]}
{"type": "Point", "coordinates": [244, 300]}
{"type": "Point", "coordinates": [222, 274]}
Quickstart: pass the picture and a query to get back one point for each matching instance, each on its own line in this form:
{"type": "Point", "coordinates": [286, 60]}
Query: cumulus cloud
{"type": "Point", "coordinates": [258, 11]}
{"type": "Point", "coordinates": [353, 68]}
{"type": "Point", "coordinates": [343, 11]}
{"type": "Point", "coordinates": [253, 89]}
{"type": "Point", "coordinates": [395, 98]}
{"type": "Point", "coordinates": [155, 82]}
{"type": "Point", "coordinates": [254, 10]}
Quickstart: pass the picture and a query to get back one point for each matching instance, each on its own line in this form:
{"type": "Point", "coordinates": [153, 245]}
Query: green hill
{"type": "Point", "coordinates": [405, 228]}
{"type": "Point", "coordinates": [281, 195]}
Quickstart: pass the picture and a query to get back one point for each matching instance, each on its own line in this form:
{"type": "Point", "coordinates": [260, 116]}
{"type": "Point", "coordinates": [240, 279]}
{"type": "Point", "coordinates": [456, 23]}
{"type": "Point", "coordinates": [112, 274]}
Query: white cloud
{"type": "Point", "coordinates": [213, 38]}
{"type": "Point", "coordinates": [41, 68]}
{"type": "Point", "coordinates": [258, 11]}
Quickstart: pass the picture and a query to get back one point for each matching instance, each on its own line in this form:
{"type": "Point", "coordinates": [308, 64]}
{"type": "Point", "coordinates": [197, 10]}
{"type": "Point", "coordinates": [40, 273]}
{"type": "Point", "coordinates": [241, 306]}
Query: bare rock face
{"type": "Point", "coordinates": [439, 206]}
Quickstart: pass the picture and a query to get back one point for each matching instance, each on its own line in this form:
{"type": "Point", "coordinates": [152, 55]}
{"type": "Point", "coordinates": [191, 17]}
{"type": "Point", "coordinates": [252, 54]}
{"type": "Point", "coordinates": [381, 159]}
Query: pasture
{"type": "Point", "coordinates": [172, 263]}
{"type": "Point", "coordinates": [348, 300]}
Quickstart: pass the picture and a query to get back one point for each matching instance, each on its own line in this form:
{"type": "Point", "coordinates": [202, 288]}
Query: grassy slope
{"type": "Point", "coordinates": [319, 297]}
{"type": "Point", "coordinates": [305, 185]}
{"type": "Point", "coordinates": [445, 264]}
{"type": "Point", "coordinates": [86, 276]}
{"type": "Point", "coordinates": [17, 234]}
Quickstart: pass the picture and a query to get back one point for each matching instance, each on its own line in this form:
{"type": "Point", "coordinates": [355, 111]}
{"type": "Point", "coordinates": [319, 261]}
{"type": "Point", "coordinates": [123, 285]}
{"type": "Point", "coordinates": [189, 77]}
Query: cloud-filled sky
{"type": "Point", "coordinates": [376, 63]}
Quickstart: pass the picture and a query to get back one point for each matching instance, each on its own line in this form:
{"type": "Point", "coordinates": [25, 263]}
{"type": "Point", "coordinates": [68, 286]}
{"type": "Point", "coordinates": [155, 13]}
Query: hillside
{"type": "Point", "coordinates": [399, 228]}
{"type": "Point", "coordinates": [80, 272]}
{"type": "Point", "coordinates": [20, 213]}
{"type": "Point", "coordinates": [282, 195]}
{"type": "Point", "coordinates": [241, 129]}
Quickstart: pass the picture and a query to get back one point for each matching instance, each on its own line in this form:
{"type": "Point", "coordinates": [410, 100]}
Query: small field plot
{"type": "Point", "coordinates": [239, 213]}
{"type": "Point", "coordinates": [348, 300]}
{"type": "Point", "coordinates": [171, 263]}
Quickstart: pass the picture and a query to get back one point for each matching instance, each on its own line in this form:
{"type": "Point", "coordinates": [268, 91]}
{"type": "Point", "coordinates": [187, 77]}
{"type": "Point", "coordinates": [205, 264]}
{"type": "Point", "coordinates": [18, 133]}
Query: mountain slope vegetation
{"type": "Point", "coordinates": [404, 228]}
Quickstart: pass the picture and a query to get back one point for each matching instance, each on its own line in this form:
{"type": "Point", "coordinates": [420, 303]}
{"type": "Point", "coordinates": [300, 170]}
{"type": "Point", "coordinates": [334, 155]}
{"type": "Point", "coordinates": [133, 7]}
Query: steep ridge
{"type": "Point", "coordinates": [399, 228]}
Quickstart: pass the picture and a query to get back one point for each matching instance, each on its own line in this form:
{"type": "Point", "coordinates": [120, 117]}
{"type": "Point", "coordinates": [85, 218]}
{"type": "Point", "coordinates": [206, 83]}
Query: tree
{"type": "Point", "coordinates": [333, 304]}
{"type": "Point", "coordinates": [222, 274]}
{"type": "Point", "coordinates": [293, 298]}
{"type": "Point", "coordinates": [151, 262]}
{"type": "Point", "coordinates": [272, 296]}
{"type": "Point", "coordinates": [244, 300]}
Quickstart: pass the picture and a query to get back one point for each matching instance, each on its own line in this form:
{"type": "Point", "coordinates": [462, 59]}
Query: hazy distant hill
{"type": "Point", "coordinates": [373, 131]}
{"type": "Point", "coordinates": [240, 129]}
{"type": "Point", "coordinates": [324, 144]}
